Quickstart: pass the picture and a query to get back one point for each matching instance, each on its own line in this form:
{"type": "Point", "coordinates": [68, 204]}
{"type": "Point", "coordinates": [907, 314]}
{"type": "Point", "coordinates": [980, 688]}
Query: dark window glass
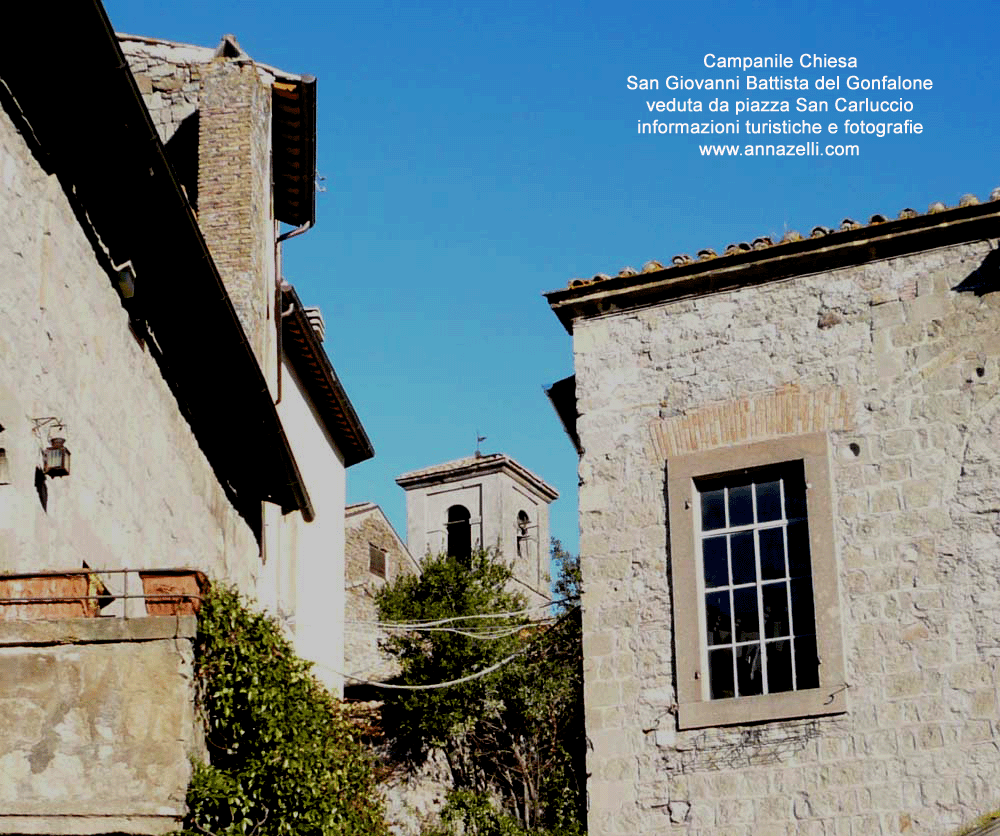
{"type": "Point", "coordinates": [795, 498]}
{"type": "Point", "coordinates": [768, 501]}
{"type": "Point", "coordinates": [779, 666]}
{"type": "Point", "coordinates": [744, 565]}
{"type": "Point", "coordinates": [713, 510]}
{"type": "Point", "coordinates": [718, 626]}
{"type": "Point", "coordinates": [749, 676]}
{"type": "Point", "coordinates": [775, 602]}
{"type": "Point", "coordinates": [803, 616]}
{"type": "Point", "coordinates": [772, 553]}
{"type": "Point", "coordinates": [720, 666]}
{"type": "Point", "coordinates": [806, 662]}
{"type": "Point", "coordinates": [740, 506]}
{"type": "Point", "coordinates": [745, 614]}
{"type": "Point", "coordinates": [716, 563]}
{"type": "Point", "coordinates": [760, 620]}
{"type": "Point", "coordinates": [798, 549]}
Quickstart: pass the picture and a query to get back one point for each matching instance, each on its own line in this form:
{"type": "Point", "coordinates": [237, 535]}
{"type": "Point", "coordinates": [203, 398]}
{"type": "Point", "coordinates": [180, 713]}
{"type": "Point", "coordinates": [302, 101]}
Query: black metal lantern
{"type": "Point", "coordinates": [56, 458]}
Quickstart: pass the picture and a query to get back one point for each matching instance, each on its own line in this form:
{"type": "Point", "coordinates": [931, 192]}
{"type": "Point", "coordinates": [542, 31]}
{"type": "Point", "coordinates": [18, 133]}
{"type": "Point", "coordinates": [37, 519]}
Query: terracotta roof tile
{"type": "Point", "coordinates": [766, 242]}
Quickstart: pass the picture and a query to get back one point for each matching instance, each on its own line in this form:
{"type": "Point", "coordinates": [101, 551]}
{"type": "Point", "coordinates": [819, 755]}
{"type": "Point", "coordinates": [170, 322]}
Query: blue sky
{"type": "Point", "coordinates": [476, 154]}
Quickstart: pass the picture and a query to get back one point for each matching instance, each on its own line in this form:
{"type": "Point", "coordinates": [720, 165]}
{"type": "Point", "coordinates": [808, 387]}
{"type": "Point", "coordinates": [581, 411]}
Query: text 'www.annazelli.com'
{"type": "Point", "coordinates": [809, 149]}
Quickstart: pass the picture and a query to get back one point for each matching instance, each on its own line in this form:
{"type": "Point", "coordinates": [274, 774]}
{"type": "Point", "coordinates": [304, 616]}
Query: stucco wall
{"type": "Point", "coordinates": [99, 724]}
{"type": "Point", "coordinates": [141, 493]}
{"type": "Point", "coordinates": [493, 500]}
{"type": "Point", "coordinates": [315, 549]}
{"type": "Point", "coordinates": [901, 373]}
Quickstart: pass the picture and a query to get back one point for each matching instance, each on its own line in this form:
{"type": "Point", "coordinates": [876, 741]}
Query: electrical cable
{"type": "Point", "coordinates": [416, 625]}
{"type": "Point", "coordinates": [434, 685]}
{"type": "Point", "coordinates": [449, 683]}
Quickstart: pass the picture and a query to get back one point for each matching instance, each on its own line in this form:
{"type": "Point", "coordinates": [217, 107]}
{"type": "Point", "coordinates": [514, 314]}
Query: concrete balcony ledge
{"type": "Point", "coordinates": [23, 633]}
{"type": "Point", "coordinates": [99, 725]}
{"type": "Point", "coordinates": [91, 825]}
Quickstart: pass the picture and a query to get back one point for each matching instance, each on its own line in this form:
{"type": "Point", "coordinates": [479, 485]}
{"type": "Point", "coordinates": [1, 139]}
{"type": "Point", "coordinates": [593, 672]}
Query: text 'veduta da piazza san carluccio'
{"type": "Point", "coordinates": [803, 87]}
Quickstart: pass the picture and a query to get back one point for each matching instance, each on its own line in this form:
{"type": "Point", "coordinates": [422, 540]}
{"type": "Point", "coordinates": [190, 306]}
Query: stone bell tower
{"type": "Point", "coordinates": [483, 501]}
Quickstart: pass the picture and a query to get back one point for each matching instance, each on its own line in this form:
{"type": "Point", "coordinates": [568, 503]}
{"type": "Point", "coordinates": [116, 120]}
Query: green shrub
{"type": "Point", "coordinates": [513, 738]}
{"type": "Point", "coordinates": [283, 758]}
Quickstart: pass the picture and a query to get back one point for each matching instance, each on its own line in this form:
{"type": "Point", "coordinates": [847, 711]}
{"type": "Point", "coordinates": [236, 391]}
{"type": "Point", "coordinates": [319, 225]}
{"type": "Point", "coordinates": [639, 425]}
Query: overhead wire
{"type": "Point", "coordinates": [428, 623]}
{"type": "Point", "coordinates": [461, 680]}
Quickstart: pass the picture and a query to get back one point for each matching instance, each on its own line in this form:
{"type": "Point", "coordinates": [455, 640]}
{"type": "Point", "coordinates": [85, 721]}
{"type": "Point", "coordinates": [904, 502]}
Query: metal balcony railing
{"type": "Point", "coordinates": [93, 593]}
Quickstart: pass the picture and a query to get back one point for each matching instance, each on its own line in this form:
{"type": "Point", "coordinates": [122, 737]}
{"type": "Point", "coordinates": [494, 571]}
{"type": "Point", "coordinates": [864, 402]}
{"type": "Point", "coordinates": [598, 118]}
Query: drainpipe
{"type": "Point", "coordinates": [293, 232]}
{"type": "Point", "coordinates": [281, 318]}
{"type": "Point", "coordinates": [277, 272]}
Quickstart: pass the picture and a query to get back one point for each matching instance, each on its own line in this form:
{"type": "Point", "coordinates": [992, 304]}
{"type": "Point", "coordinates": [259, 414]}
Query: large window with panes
{"type": "Point", "coordinates": [756, 609]}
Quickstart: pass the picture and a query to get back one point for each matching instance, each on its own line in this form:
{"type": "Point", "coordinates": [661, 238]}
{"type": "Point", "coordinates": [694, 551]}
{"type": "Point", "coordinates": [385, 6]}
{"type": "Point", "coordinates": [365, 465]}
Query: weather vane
{"type": "Point", "coordinates": [479, 440]}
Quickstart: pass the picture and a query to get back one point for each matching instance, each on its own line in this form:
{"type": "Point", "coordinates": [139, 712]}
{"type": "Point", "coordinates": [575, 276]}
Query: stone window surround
{"type": "Point", "coordinates": [695, 709]}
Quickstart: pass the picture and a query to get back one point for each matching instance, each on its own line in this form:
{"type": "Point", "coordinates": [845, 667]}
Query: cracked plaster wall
{"type": "Point", "coordinates": [98, 731]}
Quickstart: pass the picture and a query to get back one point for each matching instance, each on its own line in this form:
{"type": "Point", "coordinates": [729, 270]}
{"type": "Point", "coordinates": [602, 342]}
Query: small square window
{"type": "Point", "coordinates": [756, 607]}
{"type": "Point", "coordinates": [376, 560]}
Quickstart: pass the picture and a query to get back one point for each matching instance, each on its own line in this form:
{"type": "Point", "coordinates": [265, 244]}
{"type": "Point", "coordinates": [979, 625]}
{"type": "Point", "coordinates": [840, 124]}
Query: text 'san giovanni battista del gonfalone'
{"type": "Point", "coordinates": [862, 105]}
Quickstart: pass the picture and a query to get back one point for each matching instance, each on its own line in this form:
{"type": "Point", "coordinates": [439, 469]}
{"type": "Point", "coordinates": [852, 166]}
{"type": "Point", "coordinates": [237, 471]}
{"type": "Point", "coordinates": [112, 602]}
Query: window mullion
{"type": "Point", "coordinates": [732, 603]}
{"type": "Point", "coordinates": [788, 586]}
{"type": "Point", "coordinates": [760, 591]}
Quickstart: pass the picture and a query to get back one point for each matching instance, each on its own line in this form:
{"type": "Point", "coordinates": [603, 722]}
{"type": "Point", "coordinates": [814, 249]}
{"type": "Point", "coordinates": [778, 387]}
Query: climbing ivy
{"type": "Point", "coordinates": [284, 760]}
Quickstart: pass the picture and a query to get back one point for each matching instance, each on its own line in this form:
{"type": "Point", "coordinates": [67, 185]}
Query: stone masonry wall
{"type": "Point", "coordinates": [362, 657]}
{"type": "Point", "coordinates": [169, 78]}
{"type": "Point", "coordinates": [141, 492]}
{"type": "Point", "coordinates": [902, 374]}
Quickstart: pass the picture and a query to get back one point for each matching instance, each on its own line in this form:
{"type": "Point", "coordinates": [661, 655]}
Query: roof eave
{"type": "Point", "coordinates": [781, 261]}
{"type": "Point", "coordinates": [88, 57]}
{"type": "Point", "coordinates": [322, 383]}
{"type": "Point", "coordinates": [294, 144]}
{"type": "Point", "coordinates": [480, 467]}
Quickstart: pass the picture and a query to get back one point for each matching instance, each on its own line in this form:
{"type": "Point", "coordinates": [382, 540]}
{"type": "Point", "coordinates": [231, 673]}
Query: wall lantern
{"type": "Point", "coordinates": [126, 280]}
{"type": "Point", "coordinates": [57, 457]}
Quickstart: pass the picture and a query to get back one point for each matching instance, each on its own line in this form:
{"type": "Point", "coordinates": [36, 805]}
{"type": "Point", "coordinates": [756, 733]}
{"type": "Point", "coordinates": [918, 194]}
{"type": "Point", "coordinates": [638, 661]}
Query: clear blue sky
{"type": "Point", "coordinates": [477, 154]}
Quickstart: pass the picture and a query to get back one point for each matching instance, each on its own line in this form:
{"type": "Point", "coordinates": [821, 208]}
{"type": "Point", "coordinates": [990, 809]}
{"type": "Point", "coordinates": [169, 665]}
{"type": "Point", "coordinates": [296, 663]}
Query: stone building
{"type": "Point", "coordinates": [374, 556]}
{"type": "Point", "coordinates": [789, 499]}
{"type": "Point", "coordinates": [144, 323]}
{"type": "Point", "coordinates": [483, 501]}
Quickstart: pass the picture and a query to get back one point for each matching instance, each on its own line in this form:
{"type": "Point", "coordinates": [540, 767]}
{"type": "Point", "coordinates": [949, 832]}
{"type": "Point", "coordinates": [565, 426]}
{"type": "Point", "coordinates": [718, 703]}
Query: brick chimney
{"type": "Point", "coordinates": [234, 184]}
